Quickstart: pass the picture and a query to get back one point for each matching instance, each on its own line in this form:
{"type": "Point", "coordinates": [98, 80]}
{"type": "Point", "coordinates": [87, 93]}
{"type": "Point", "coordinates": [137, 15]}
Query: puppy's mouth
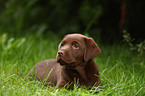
{"type": "Point", "coordinates": [63, 63]}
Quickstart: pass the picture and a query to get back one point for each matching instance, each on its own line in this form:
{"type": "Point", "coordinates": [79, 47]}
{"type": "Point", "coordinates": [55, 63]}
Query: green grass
{"type": "Point", "coordinates": [121, 71]}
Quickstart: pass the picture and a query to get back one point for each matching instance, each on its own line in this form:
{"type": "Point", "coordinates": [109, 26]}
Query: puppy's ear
{"type": "Point", "coordinates": [92, 50]}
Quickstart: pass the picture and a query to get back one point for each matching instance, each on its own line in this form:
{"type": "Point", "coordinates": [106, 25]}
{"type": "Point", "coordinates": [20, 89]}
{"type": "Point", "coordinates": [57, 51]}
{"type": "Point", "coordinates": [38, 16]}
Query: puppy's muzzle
{"type": "Point", "coordinates": [60, 53]}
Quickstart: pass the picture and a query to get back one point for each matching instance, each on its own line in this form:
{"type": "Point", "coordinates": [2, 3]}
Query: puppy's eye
{"type": "Point", "coordinates": [75, 45]}
{"type": "Point", "coordinates": [62, 44]}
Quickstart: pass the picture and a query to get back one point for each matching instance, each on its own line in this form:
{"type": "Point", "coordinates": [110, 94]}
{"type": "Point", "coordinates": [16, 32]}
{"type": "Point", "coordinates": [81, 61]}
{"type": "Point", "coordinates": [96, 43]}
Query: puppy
{"type": "Point", "coordinates": [74, 60]}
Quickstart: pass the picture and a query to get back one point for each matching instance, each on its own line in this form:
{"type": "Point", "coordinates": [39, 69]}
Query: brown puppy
{"type": "Point", "coordinates": [74, 60]}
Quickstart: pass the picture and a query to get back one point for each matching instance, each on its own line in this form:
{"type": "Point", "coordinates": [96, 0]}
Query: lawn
{"type": "Point", "coordinates": [122, 72]}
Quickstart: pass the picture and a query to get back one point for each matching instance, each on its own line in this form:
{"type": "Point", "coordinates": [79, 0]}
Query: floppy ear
{"type": "Point", "coordinates": [92, 50]}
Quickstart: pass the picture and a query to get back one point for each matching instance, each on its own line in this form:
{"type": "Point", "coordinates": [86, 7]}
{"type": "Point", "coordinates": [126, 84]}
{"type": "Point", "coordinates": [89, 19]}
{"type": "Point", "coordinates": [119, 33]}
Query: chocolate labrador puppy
{"type": "Point", "coordinates": [74, 60]}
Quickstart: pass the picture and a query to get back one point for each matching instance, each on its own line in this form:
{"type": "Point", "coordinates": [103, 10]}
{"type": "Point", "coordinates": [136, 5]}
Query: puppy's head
{"type": "Point", "coordinates": [75, 49]}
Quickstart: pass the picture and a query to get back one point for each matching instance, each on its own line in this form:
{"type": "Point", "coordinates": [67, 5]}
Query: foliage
{"type": "Point", "coordinates": [121, 71]}
{"type": "Point", "coordinates": [56, 16]}
{"type": "Point", "coordinates": [7, 45]}
{"type": "Point", "coordinates": [140, 47]}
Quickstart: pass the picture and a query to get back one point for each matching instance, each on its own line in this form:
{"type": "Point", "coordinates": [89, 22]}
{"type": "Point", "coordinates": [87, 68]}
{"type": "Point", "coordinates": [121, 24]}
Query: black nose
{"type": "Point", "coordinates": [60, 53]}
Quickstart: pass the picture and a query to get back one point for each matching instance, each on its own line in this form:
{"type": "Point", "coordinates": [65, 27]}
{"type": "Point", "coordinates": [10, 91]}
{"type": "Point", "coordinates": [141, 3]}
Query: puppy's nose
{"type": "Point", "coordinates": [60, 53]}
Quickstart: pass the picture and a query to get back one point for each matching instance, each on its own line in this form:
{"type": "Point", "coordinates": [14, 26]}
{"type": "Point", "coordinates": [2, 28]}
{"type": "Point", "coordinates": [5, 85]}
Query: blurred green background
{"type": "Point", "coordinates": [104, 20]}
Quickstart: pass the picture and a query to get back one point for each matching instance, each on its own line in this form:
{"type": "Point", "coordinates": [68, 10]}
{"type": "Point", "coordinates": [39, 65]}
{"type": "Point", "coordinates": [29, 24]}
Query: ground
{"type": "Point", "coordinates": [121, 70]}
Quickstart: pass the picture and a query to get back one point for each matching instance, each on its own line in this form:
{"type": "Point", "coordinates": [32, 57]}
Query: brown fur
{"type": "Point", "coordinates": [74, 60]}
